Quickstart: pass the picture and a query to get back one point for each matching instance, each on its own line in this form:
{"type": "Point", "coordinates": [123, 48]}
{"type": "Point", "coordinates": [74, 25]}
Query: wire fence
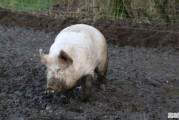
{"type": "Point", "coordinates": [159, 12]}
{"type": "Point", "coordinates": [163, 11]}
{"type": "Point", "coordinates": [148, 21]}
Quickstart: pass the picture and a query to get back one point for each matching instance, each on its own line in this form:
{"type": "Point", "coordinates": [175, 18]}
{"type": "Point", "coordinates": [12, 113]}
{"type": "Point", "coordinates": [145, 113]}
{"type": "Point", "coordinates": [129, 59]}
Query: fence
{"type": "Point", "coordinates": [160, 18]}
{"type": "Point", "coordinates": [160, 11]}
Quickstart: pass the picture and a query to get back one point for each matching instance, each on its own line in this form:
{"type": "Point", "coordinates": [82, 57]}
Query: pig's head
{"type": "Point", "coordinates": [57, 67]}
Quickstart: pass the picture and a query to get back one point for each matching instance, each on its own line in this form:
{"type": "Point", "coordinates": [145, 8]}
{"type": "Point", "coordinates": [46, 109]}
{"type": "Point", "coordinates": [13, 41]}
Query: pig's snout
{"type": "Point", "coordinates": [50, 90]}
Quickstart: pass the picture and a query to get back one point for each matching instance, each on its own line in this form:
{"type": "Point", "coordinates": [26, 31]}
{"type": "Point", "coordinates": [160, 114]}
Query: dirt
{"type": "Point", "coordinates": [143, 74]}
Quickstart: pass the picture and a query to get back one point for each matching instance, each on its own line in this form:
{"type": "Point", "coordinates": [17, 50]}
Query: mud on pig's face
{"type": "Point", "coordinates": [56, 70]}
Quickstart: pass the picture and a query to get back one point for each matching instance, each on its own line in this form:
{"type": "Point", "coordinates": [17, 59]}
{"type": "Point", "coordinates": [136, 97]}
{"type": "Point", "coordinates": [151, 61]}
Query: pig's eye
{"type": "Point", "coordinates": [60, 71]}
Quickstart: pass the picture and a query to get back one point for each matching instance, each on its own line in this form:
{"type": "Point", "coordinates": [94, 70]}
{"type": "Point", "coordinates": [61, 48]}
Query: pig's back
{"type": "Point", "coordinates": [89, 33]}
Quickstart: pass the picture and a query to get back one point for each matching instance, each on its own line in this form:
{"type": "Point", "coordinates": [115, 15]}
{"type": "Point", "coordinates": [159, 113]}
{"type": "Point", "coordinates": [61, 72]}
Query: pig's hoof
{"type": "Point", "coordinates": [82, 98]}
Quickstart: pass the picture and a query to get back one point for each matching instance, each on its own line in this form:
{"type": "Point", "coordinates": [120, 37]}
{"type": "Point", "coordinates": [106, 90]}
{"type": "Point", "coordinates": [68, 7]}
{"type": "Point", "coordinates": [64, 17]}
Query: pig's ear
{"type": "Point", "coordinates": [44, 57]}
{"type": "Point", "coordinates": [65, 58]}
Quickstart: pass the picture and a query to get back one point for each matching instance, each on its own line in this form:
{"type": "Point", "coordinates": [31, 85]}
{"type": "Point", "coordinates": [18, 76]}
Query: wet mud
{"type": "Point", "coordinates": [142, 82]}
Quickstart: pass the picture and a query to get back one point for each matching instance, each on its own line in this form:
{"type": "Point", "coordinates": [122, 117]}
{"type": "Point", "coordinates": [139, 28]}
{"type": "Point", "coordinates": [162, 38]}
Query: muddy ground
{"type": "Point", "coordinates": [143, 74]}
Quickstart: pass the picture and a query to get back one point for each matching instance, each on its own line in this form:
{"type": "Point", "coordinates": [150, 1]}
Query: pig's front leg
{"type": "Point", "coordinates": [87, 87]}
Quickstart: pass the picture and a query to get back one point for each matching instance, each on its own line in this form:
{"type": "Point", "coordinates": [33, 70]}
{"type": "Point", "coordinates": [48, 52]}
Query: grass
{"type": "Point", "coordinates": [29, 6]}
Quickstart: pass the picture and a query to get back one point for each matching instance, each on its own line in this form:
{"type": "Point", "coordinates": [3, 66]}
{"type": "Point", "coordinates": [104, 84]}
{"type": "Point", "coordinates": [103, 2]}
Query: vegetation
{"type": "Point", "coordinates": [136, 10]}
{"type": "Point", "coordinates": [147, 10]}
{"type": "Point", "coordinates": [30, 6]}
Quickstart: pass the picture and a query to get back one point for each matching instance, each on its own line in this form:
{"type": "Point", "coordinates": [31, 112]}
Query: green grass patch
{"type": "Point", "coordinates": [30, 6]}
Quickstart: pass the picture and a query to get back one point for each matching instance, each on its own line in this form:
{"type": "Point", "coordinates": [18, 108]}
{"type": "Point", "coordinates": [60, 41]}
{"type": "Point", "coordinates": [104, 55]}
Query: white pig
{"type": "Point", "coordinates": [78, 52]}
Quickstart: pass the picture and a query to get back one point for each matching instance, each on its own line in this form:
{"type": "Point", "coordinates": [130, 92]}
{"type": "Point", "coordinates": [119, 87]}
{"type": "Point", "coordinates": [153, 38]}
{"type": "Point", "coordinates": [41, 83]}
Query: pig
{"type": "Point", "coordinates": [78, 52]}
